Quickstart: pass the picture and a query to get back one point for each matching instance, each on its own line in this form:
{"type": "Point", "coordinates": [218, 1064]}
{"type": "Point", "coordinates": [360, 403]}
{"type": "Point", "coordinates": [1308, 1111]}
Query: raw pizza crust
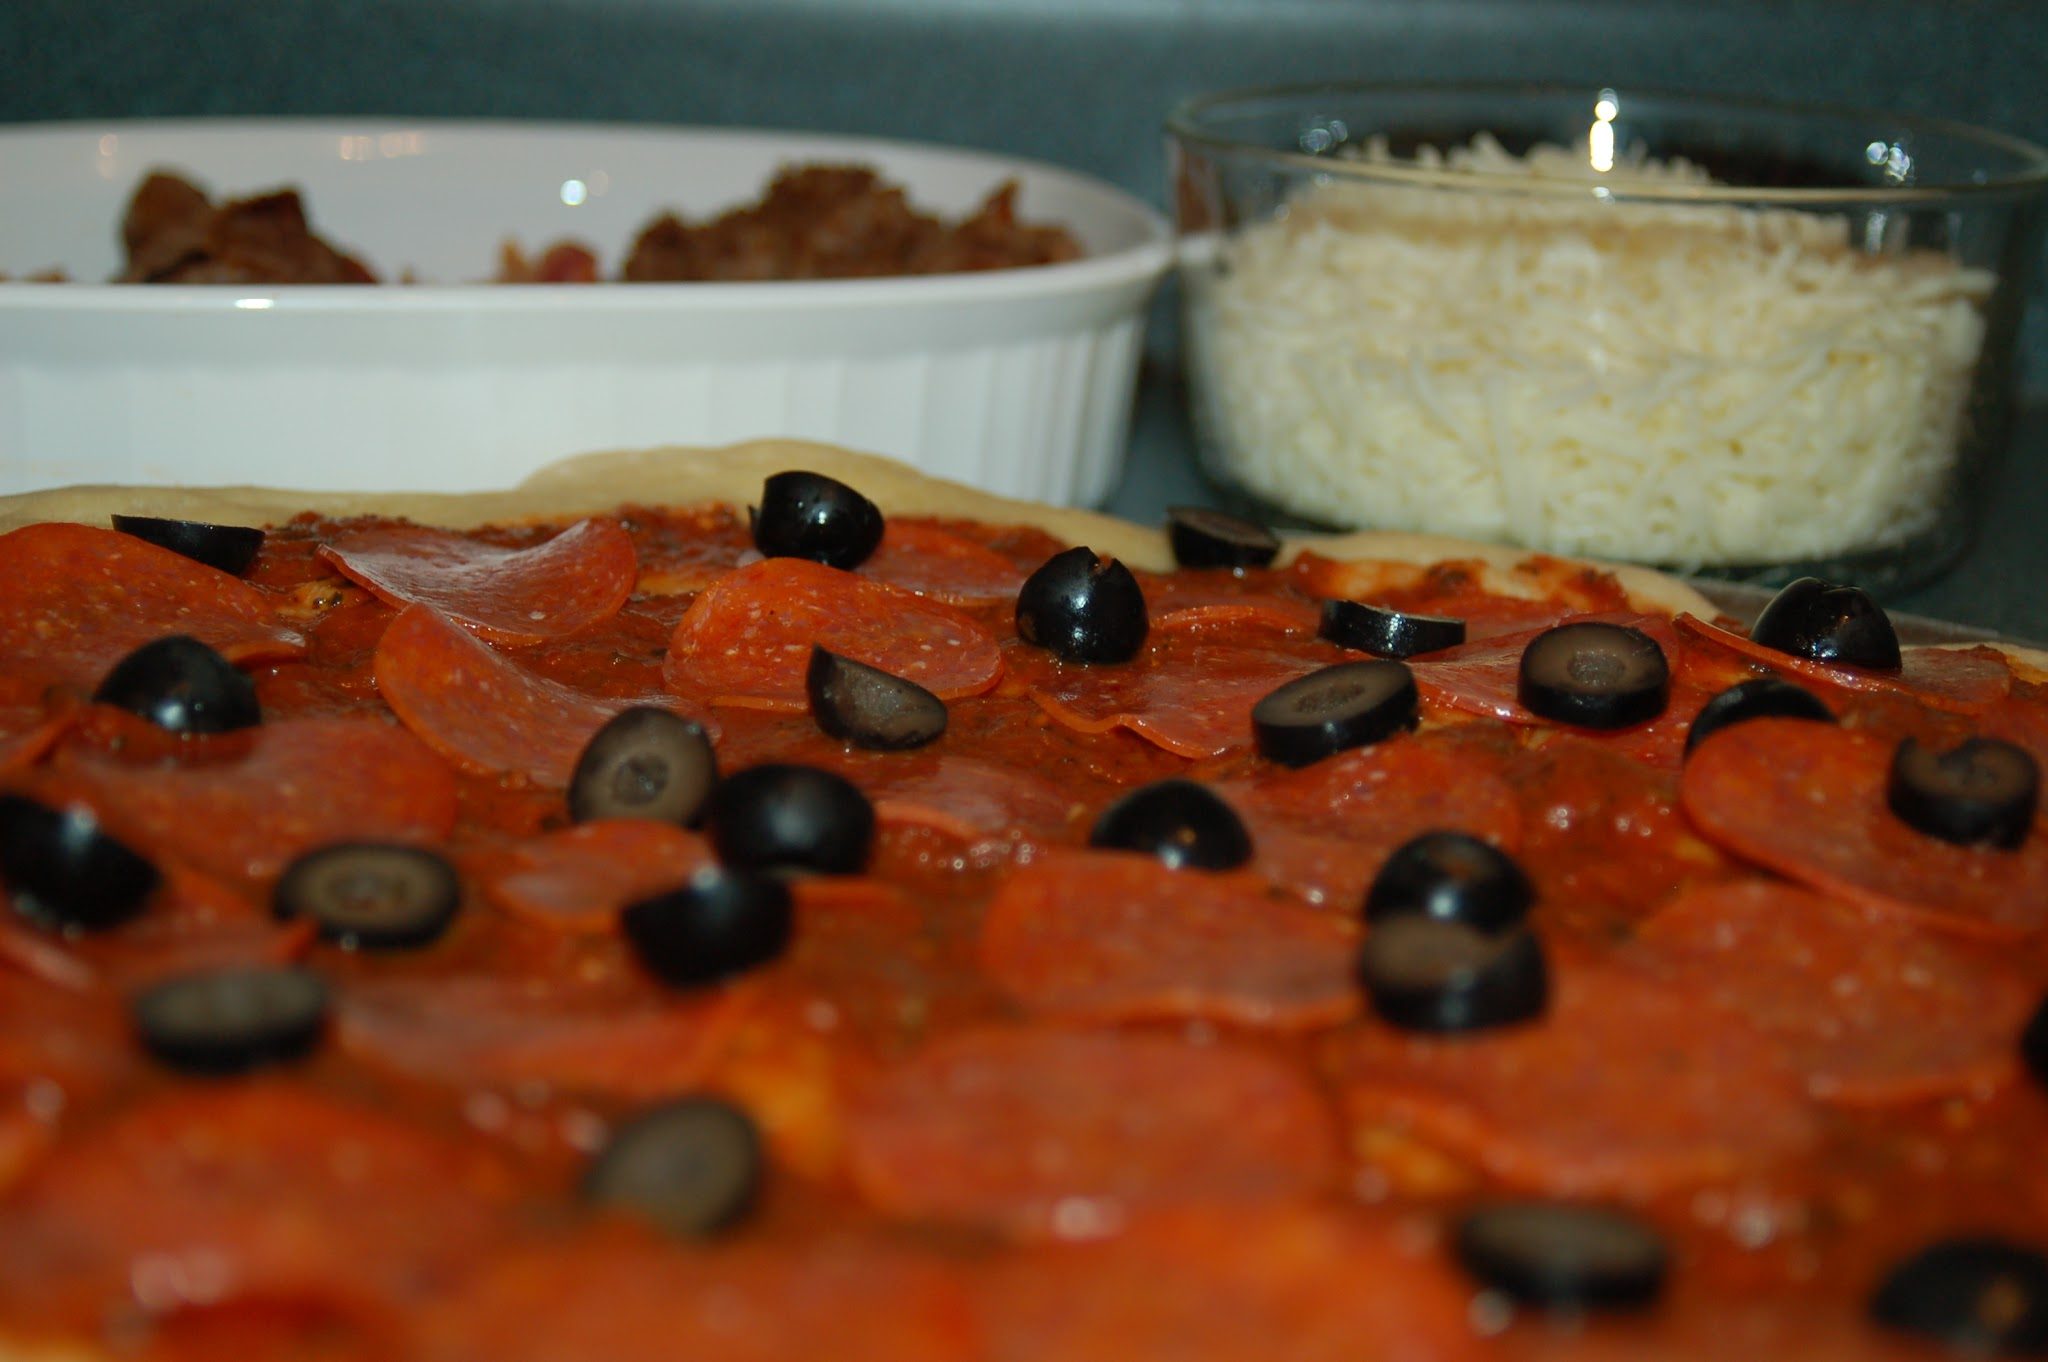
{"type": "Point", "coordinates": [673, 476]}
{"type": "Point", "coordinates": [597, 483]}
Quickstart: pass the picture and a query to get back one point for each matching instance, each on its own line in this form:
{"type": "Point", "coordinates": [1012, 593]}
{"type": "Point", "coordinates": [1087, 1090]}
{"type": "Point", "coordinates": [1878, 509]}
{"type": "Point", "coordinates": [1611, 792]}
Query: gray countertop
{"type": "Point", "coordinates": [2000, 585]}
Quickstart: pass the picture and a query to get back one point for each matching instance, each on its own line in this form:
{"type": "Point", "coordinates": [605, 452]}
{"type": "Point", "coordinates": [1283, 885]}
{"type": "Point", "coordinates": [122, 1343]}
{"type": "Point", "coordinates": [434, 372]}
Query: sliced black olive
{"type": "Point", "coordinates": [1980, 1297]}
{"type": "Point", "coordinates": [1982, 792]}
{"type": "Point", "coordinates": [1763, 697]}
{"type": "Point", "coordinates": [373, 895]}
{"type": "Point", "coordinates": [2034, 1044]}
{"type": "Point", "coordinates": [1594, 675]}
{"type": "Point", "coordinates": [229, 1021]}
{"type": "Point", "coordinates": [1454, 877]}
{"type": "Point", "coordinates": [808, 515]}
{"type": "Point", "coordinates": [778, 817]}
{"type": "Point", "coordinates": [869, 707]}
{"type": "Point", "coordinates": [62, 870]}
{"type": "Point", "coordinates": [644, 763]}
{"type": "Point", "coordinates": [722, 923]}
{"type": "Point", "coordinates": [182, 686]}
{"type": "Point", "coordinates": [1826, 622]}
{"type": "Point", "coordinates": [691, 1167]}
{"type": "Point", "coordinates": [1559, 1255]}
{"type": "Point", "coordinates": [1351, 704]}
{"type": "Point", "coordinates": [231, 548]}
{"type": "Point", "coordinates": [1425, 974]}
{"type": "Point", "coordinates": [1181, 822]}
{"type": "Point", "coordinates": [1083, 609]}
{"type": "Point", "coordinates": [1203, 538]}
{"type": "Point", "coordinates": [1387, 633]}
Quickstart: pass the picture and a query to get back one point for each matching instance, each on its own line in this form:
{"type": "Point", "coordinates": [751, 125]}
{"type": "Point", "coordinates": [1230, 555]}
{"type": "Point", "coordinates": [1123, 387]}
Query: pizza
{"type": "Point", "coordinates": [764, 904]}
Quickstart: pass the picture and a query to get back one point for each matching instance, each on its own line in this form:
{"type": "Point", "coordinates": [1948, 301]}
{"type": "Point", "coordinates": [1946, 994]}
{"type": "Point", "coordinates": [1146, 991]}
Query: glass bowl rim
{"type": "Point", "coordinates": [1184, 122]}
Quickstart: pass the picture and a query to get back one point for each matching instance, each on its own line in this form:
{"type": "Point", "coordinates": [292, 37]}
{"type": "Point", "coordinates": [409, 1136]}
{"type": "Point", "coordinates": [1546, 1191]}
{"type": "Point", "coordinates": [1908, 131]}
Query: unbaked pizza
{"type": "Point", "coordinates": [761, 904]}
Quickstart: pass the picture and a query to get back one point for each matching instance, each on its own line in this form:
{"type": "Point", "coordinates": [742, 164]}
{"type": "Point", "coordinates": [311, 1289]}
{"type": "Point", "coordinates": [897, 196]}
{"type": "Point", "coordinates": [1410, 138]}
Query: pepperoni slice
{"type": "Point", "coordinates": [1190, 691]}
{"type": "Point", "coordinates": [747, 639]}
{"type": "Point", "coordinates": [615, 1293]}
{"type": "Point", "coordinates": [1604, 835]}
{"type": "Point", "coordinates": [1626, 1086]}
{"type": "Point", "coordinates": [1207, 1286]}
{"type": "Point", "coordinates": [60, 1049]}
{"type": "Point", "coordinates": [1324, 830]}
{"type": "Point", "coordinates": [193, 922]}
{"type": "Point", "coordinates": [1872, 1011]}
{"type": "Point", "coordinates": [577, 879]}
{"type": "Point", "coordinates": [1065, 1133]}
{"type": "Point", "coordinates": [1709, 1326]}
{"type": "Point", "coordinates": [962, 797]}
{"type": "Point", "coordinates": [481, 709]}
{"type": "Point", "coordinates": [79, 599]}
{"type": "Point", "coordinates": [1808, 801]}
{"type": "Point", "coordinates": [1960, 680]}
{"type": "Point", "coordinates": [302, 783]}
{"type": "Point", "coordinates": [251, 1190]}
{"type": "Point", "coordinates": [575, 580]}
{"type": "Point", "coordinates": [610, 1038]}
{"type": "Point", "coordinates": [1116, 937]}
{"type": "Point", "coordinates": [307, 1331]}
{"type": "Point", "coordinates": [1554, 590]}
{"type": "Point", "coordinates": [935, 562]}
{"type": "Point", "coordinates": [27, 733]}
{"type": "Point", "coordinates": [1273, 612]}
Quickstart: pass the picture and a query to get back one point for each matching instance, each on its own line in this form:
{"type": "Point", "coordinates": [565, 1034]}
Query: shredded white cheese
{"type": "Point", "coordinates": [1676, 383]}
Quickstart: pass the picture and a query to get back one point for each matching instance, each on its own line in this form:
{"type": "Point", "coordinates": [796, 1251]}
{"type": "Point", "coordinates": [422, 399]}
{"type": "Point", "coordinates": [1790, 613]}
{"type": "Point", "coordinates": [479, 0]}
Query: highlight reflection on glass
{"type": "Point", "coordinates": [1600, 138]}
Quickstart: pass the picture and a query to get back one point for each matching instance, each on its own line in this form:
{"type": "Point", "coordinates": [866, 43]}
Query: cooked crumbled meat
{"type": "Point", "coordinates": [565, 262]}
{"type": "Point", "coordinates": [841, 222]}
{"type": "Point", "coordinates": [814, 222]}
{"type": "Point", "coordinates": [174, 235]}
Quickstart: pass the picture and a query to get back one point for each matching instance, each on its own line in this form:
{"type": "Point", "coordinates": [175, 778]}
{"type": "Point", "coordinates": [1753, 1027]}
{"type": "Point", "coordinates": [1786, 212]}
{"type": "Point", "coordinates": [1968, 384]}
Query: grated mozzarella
{"type": "Point", "coordinates": [1690, 384]}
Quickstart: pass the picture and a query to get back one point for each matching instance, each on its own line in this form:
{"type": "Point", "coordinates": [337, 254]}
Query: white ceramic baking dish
{"type": "Point", "coordinates": [1018, 381]}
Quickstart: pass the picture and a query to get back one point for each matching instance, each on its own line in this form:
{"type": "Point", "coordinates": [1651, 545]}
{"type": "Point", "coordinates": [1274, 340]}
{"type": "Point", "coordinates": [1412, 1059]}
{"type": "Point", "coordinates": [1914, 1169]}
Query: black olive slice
{"type": "Point", "coordinates": [1763, 697]}
{"type": "Point", "coordinates": [722, 923]}
{"type": "Point", "coordinates": [182, 686]}
{"type": "Point", "coordinates": [1594, 675]}
{"type": "Point", "coordinates": [691, 1167]}
{"type": "Point", "coordinates": [808, 515]}
{"type": "Point", "coordinates": [1454, 877]}
{"type": "Point", "coordinates": [372, 895]}
{"type": "Point", "coordinates": [1387, 633]}
{"type": "Point", "coordinates": [791, 818]}
{"type": "Point", "coordinates": [62, 870]}
{"type": "Point", "coordinates": [1980, 1297]}
{"type": "Point", "coordinates": [644, 763]}
{"type": "Point", "coordinates": [231, 548]}
{"type": "Point", "coordinates": [1203, 538]}
{"type": "Point", "coordinates": [869, 707]}
{"type": "Point", "coordinates": [1351, 704]}
{"type": "Point", "coordinates": [1183, 823]}
{"type": "Point", "coordinates": [1083, 609]}
{"type": "Point", "coordinates": [2034, 1044]}
{"type": "Point", "coordinates": [1981, 792]}
{"type": "Point", "coordinates": [1826, 622]}
{"type": "Point", "coordinates": [1563, 1256]}
{"type": "Point", "coordinates": [1425, 974]}
{"type": "Point", "coordinates": [229, 1021]}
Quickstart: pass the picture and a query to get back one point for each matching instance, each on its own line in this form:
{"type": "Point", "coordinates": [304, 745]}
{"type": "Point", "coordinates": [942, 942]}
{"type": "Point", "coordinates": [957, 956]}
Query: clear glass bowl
{"type": "Point", "coordinates": [1737, 338]}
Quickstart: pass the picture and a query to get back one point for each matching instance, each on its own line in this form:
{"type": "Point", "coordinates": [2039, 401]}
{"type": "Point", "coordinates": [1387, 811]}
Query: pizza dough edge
{"type": "Point", "coordinates": [678, 476]}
